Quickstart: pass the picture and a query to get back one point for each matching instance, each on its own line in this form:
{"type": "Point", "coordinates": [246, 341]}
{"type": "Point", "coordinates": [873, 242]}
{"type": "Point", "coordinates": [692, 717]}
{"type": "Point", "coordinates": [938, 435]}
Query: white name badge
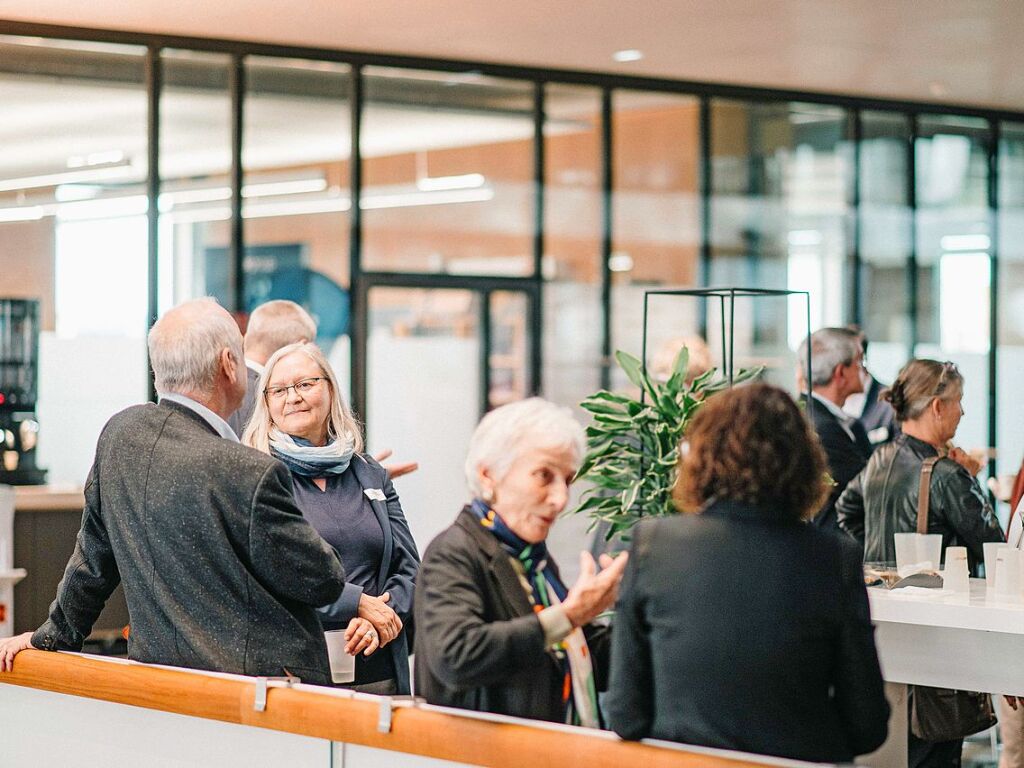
{"type": "Point", "coordinates": [374, 494]}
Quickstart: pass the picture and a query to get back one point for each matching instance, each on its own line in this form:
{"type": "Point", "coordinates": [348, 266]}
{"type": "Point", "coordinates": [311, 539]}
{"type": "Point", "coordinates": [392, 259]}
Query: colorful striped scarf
{"type": "Point", "coordinates": [579, 690]}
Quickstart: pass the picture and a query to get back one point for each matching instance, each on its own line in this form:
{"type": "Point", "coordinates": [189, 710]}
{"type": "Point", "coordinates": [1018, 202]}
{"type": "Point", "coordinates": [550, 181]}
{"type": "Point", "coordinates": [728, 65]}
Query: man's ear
{"type": "Point", "coordinates": [228, 365]}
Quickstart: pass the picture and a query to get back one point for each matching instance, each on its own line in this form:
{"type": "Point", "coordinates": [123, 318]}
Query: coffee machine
{"type": "Point", "coordinates": [19, 373]}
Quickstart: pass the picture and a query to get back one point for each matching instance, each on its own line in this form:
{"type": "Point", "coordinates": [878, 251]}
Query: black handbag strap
{"type": "Point", "coordinates": [924, 491]}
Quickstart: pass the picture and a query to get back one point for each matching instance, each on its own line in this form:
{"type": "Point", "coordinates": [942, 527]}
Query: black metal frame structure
{"type": "Point", "coordinates": [362, 281]}
{"type": "Point", "coordinates": [727, 306]}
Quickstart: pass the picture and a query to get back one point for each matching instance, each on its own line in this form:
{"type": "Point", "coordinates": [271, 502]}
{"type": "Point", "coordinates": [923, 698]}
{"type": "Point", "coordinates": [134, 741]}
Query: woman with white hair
{"type": "Point", "coordinates": [496, 628]}
{"type": "Point", "coordinates": [349, 499]}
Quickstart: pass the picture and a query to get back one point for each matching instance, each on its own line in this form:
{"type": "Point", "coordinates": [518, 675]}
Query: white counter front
{"type": "Point", "coordinates": [967, 641]}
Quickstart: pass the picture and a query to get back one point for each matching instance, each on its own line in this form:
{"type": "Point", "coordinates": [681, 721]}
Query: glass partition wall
{"type": "Point", "coordinates": [512, 217]}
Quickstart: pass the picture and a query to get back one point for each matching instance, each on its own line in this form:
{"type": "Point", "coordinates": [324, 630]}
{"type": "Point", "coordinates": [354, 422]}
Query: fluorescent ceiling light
{"type": "Point", "coordinates": [412, 199]}
{"type": "Point", "coordinates": [94, 159]}
{"type": "Point", "coordinates": [804, 237]}
{"type": "Point", "coordinates": [87, 175]}
{"type": "Point", "coordinates": [437, 183]}
{"type": "Point", "coordinates": [267, 189]}
{"type": "Point", "coordinates": [23, 213]}
{"type": "Point", "coordinates": [620, 262]}
{"type": "Point", "coordinates": [965, 242]}
{"type": "Point", "coordinates": [628, 54]}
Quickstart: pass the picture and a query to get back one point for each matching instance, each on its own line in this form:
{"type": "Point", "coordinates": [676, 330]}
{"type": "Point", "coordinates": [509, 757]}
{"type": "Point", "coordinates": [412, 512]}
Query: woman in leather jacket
{"type": "Point", "coordinates": [882, 499]}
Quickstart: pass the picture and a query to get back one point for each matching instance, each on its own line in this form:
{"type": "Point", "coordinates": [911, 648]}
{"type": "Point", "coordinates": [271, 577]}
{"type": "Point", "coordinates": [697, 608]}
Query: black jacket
{"type": "Point", "coordinates": [846, 457]}
{"type": "Point", "coordinates": [882, 500]}
{"type": "Point", "coordinates": [479, 645]}
{"type": "Point", "coordinates": [220, 570]}
{"type": "Point", "coordinates": [736, 632]}
{"type": "Point", "coordinates": [878, 415]}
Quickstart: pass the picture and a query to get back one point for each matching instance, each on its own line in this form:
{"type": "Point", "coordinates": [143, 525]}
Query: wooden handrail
{"type": "Point", "coordinates": [302, 710]}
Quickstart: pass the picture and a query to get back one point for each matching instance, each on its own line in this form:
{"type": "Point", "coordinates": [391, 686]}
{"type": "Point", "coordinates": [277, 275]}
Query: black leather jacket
{"type": "Point", "coordinates": [882, 500]}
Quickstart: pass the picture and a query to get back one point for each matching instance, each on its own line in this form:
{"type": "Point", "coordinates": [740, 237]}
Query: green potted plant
{"type": "Point", "coordinates": [633, 443]}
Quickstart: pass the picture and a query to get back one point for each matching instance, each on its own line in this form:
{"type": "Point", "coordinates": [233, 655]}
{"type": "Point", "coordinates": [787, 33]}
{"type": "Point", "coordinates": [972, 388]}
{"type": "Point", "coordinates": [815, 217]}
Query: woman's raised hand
{"type": "Point", "coordinates": [376, 611]}
{"type": "Point", "coordinates": [593, 593]}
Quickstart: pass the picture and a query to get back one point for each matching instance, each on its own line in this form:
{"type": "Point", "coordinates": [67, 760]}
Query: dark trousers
{"type": "Point", "coordinates": [933, 754]}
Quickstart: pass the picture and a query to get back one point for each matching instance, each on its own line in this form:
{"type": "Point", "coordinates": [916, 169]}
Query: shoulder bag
{"type": "Point", "coordinates": [942, 714]}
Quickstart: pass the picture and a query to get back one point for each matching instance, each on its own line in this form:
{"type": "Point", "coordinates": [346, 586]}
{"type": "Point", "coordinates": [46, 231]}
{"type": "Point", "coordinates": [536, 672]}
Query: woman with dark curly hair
{"type": "Point", "coordinates": [754, 625]}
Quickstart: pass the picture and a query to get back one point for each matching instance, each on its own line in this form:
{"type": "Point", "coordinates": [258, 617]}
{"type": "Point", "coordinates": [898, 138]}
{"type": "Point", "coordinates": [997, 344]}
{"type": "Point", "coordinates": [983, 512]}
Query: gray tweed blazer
{"type": "Point", "coordinates": [220, 570]}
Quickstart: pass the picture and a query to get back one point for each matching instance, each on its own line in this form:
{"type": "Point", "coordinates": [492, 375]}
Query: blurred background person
{"type": "Point", "coordinates": [699, 357]}
{"type": "Point", "coordinates": [272, 325]}
{"type": "Point", "coordinates": [739, 626]}
{"type": "Point", "coordinates": [882, 500]}
{"type": "Point", "coordinates": [348, 498]}
{"type": "Point", "coordinates": [875, 415]}
{"type": "Point", "coordinates": [836, 368]}
{"type": "Point", "coordinates": [496, 629]}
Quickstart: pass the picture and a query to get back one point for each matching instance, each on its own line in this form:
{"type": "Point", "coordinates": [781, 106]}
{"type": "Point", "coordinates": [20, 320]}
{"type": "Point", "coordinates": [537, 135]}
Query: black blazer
{"type": "Point", "coordinates": [479, 645]}
{"type": "Point", "coordinates": [846, 457]}
{"type": "Point", "coordinates": [739, 633]}
{"type": "Point", "coordinates": [878, 414]}
{"type": "Point", "coordinates": [220, 570]}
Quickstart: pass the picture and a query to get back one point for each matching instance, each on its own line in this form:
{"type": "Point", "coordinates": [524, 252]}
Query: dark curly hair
{"type": "Point", "coordinates": [753, 444]}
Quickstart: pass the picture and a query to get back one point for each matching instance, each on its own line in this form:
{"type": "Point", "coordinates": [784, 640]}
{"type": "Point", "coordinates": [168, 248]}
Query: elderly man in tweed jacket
{"type": "Point", "coordinates": [220, 570]}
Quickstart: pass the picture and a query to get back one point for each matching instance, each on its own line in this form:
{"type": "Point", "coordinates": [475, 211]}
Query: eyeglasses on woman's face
{"type": "Point", "coordinates": [301, 387]}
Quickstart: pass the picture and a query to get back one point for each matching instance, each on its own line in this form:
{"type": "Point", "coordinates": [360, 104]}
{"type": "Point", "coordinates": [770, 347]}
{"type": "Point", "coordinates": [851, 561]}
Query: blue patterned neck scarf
{"type": "Point", "coordinates": [533, 557]}
{"type": "Point", "coordinates": [304, 458]}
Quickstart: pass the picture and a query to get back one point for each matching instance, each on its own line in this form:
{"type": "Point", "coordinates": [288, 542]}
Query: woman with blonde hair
{"type": "Point", "coordinates": [301, 419]}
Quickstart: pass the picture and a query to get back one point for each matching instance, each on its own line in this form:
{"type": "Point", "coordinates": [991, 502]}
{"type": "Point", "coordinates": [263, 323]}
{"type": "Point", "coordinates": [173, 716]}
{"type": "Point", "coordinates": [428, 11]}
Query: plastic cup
{"type": "Point", "coordinates": [929, 549]}
{"type": "Point", "coordinates": [906, 549]}
{"type": "Point", "coordinates": [343, 665]}
{"type": "Point", "coordinates": [991, 548]}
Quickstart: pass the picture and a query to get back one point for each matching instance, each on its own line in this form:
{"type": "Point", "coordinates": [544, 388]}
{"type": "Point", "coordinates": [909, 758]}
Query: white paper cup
{"type": "Point", "coordinates": [343, 665]}
{"type": "Point", "coordinates": [1008, 572]}
{"type": "Point", "coordinates": [956, 575]}
{"type": "Point", "coordinates": [991, 548]}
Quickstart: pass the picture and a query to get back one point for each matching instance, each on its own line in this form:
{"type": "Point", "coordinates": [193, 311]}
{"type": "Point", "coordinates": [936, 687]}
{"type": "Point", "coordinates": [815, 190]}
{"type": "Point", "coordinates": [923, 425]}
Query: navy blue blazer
{"type": "Point", "coordinates": [398, 567]}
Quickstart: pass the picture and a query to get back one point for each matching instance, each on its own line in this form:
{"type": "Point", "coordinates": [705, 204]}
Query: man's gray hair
{"type": "Point", "coordinates": [829, 347]}
{"type": "Point", "coordinates": [278, 323]}
{"type": "Point", "coordinates": [185, 346]}
{"type": "Point", "coordinates": [506, 433]}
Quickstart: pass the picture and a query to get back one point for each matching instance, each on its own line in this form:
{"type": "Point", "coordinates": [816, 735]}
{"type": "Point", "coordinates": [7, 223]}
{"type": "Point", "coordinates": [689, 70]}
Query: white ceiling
{"type": "Point", "coordinates": [950, 51]}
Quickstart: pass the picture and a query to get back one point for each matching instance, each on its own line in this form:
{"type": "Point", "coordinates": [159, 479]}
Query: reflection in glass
{"type": "Point", "coordinates": [295, 197]}
{"type": "Point", "coordinates": [656, 214]}
{"type": "Point", "coordinates": [509, 352]}
{"type": "Point", "coordinates": [195, 187]}
{"type": "Point", "coordinates": [885, 241]}
{"type": "Point", "coordinates": [423, 394]}
{"type": "Point", "coordinates": [1010, 406]}
{"type": "Point", "coordinates": [572, 244]}
{"type": "Point", "coordinates": [953, 258]}
{"type": "Point", "coordinates": [782, 174]}
{"type": "Point", "coordinates": [447, 173]}
{"type": "Point", "coordinates": [73, 167]}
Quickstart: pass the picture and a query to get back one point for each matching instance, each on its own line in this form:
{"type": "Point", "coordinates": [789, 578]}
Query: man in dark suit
{"type": "Point", "coordinates": [220, 570]}
{"type": "Point", "coordinates": [272, 325]}
{"type": "Point", "coordinates": [876, 416]}
{"type": "Point", "coordinates": [836, 366]}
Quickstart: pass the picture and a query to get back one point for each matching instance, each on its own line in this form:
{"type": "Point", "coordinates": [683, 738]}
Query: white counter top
{"type": "Point", "coordinates": [981, 610]}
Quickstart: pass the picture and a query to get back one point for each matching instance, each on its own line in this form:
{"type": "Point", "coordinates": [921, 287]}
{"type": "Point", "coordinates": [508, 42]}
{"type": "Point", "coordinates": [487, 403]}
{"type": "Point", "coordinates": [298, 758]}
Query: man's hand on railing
{"type": "Point", "coordinates": [11, 647]}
